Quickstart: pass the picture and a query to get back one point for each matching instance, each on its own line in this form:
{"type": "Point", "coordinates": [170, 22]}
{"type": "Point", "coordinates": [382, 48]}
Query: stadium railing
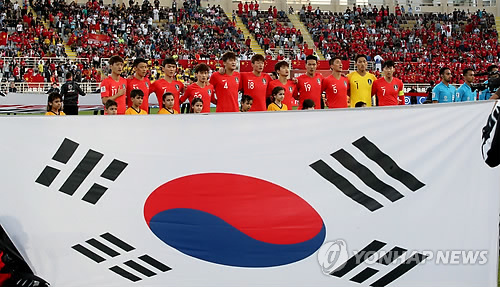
{"type": "Point", "coordinates": [287, 52]}
{"type": "Point", "coordinates": [32, 62]}
{"type": "Point", "coordinates": [36, 88]}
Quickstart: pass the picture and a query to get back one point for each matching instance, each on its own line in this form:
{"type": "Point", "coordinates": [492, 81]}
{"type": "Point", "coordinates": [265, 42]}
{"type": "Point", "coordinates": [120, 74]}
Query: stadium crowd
{"type": "Point", "coordinates": [272, 29]}
{"type": "Point", "coordinates": [153, 32]}
{"type": "Point", "coordinates": [424, 43]}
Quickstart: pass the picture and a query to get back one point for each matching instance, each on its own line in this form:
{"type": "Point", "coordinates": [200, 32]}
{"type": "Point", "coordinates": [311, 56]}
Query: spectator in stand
{"type": "Point", "coordinates": [309, 84]}
{"type": "Point", "coordinates": [388, 90]}
{"type": "Point", "coordinates": [240, 8]}
{"type": "Point", "coordinates": [115, 87]}
{"type": "Point", "coordinates": [378, 63]}
{"type": "Point", "coordinates": [255, 83]}
{"type": "Point", "coordinates": [336, 86]}
{"type": "Point", "coordinates": [444, 92]}
{"type": "Point", "coordinates": [360, 82]}
{"type": "Point", "coordinates": [12, 88]}
{"type": "Point", "coordinates": [227, 85]}
{"type": "Point", "coordinates": [464, 92]}
{"type": "Point", "coordinates": [53, 89]}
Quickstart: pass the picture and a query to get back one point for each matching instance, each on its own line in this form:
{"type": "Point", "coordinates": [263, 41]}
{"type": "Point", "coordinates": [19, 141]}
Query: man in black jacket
{"type": "Point", "coordinates": [14, 271]}
{"type": "Point", "coordinates": [491, 138]}
{"type": "Point", "coordinates": [70, 91]}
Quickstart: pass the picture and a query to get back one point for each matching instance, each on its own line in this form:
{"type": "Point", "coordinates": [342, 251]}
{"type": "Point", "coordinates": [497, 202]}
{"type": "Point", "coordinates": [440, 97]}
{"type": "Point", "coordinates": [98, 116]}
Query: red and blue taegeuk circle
{"type": "Point", "coordinates": [234, 220]}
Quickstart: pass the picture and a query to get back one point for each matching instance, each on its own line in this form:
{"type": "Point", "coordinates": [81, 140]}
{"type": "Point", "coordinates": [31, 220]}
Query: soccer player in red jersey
{"type": "Point", "coordinates": [255, 83]}
{"type": "Point", "coordinates": [139, 82]}
{"type": "Point", "coordinates": [388, 90]}
{"type": "Point", "coordinates": [226, 85]}
{"type": "Point", "coordinates": [168, 84]}
{"type": "Point", "coordinates": [201, 89]}
{"type": "Point", "coordinates": [114, 87]}
{"type": "Point", "coordinates": [309, 84]}
{"type": "Point", "coordinates": [336, 86]}
{"type": "Point", "coordinates": [283, 70]}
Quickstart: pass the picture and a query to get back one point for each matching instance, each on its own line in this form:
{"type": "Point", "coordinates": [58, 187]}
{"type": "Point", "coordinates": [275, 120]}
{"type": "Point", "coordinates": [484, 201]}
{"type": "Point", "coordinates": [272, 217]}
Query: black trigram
{"type": "Point", "coordinates": [80, 173]}
{"type": "Point", "coordinates": [111, 246]}
{"type": "Point", "coordinates": [364, 174]}
{"type": "Point", "coordinates": [387, 259]}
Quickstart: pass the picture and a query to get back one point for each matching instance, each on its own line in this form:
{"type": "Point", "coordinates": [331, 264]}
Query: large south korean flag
{"type": "Point", "coordinates": [357, 197]}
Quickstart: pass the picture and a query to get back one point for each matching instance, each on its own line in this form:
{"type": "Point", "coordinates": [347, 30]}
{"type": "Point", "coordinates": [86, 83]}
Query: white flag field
{"type": "Point", "coordinates": [356, 197]}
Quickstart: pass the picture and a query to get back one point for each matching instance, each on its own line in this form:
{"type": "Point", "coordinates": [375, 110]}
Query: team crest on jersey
{"type": "Point", "coordinates": [147, 85]}
{"type": "Point", "coordinates": [370, 81]}
{"type": "Point", "coordinates": [209, 92]}
{"type": "Point", "coordinates": [123, 86]}
{"type": "Point", "coordinates": [103, 89]}
{"type": "Point", "coordinates": [319, 81]}
{"type": "Point", "coordinates": [264, 81]}
{"type": "Point", "coordinates": [177, 87]}
{"type": "Point", "coordinates": [396, 88]}
{"type": "Point", "coordinates": [237, 80]}
{"type": "Point", "coordinates": [345, 84]}
{"type": "Point", "coordinates": [290, 89]}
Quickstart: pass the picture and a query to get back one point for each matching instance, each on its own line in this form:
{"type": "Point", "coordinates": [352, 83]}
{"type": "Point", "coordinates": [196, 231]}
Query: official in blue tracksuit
{"type": "Point", "coordinates": [464, 92]}
{"type": "Point", "coordinates": [444, 92]}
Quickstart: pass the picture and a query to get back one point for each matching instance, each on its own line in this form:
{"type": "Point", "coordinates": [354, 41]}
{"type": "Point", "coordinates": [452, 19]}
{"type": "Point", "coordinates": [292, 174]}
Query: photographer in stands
{"type": "Point", "coordinates": [486, 92]}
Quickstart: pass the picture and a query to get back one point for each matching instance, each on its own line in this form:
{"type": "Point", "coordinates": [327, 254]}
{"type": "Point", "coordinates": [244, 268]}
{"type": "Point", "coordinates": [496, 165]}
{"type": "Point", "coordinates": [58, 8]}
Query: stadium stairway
{"type": "Point", "coordinates": [67, 48]}
{"type": "Point", "coordinates": [497, 24]}
{"type": "Point", "coordinates": [294, 18]}
{"type": "Point", "coordinates": [256, 48]}
{"type": "Point", "coordinates": [69, 52]}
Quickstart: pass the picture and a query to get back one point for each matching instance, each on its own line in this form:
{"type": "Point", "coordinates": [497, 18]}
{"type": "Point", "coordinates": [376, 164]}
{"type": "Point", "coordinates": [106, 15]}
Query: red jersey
{"type": "Point", "coordinates": [144, 85]}
{"type": "Point", "coordinates": [255, 87]}
{"type": "Point", "coordinates": [226, 88]}
{"type": "Point", "coordinates": [289, 89]}
{"type": "Point", "coordinates": [195, 91]}
{"type": "Point", "coordinates": [161, 86]}
{"type": "Point", "coordinates": [336, 91]}
{"type": "Point", "coordinates": [109, 88]}
{"type": "Point", "coordinates": [388, 94]}
{"type": "Point", "coordinates": [309, 88]}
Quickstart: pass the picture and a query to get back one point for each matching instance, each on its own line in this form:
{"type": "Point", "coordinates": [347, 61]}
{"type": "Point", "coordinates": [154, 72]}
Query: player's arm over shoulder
{"type": "Point", "coordinates": [213, 78]}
